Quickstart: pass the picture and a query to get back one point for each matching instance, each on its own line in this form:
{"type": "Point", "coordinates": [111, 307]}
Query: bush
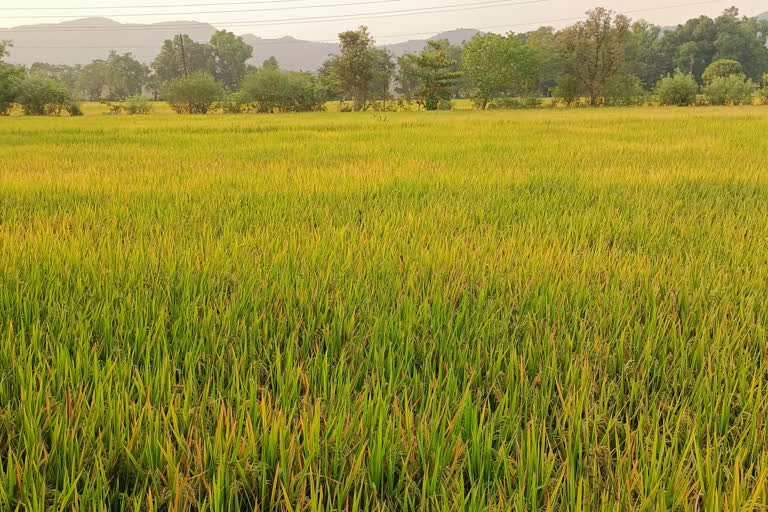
{"type": "Point", "coordinates": [762, 94]}
{"type": "Point", "coordinates": [624, 91]}
{"type": "Point", "coordinates": [73, 109]}
{"type": "Point", "coordinates": [678, 89]}
{"type": "Point", "coordinates": [114, 108]}
{"type": "Point", "coordinates": [734, 90]}
{"type": "Point", "coordinates": [193, 94]}
{"type": "Point", "coordinates": [722, 68]}
{"type": "Point", "coordinates": [568, 90]}
{"type": "Point", "coordinates": [286, 91]}
{"type": "Point", "coordinates": [138, 105]}
{"type": "Point", "coordinates": [40, 96]}
{"type": "Point", "coordinates": [232, 103]}
{"type": "Point", "coordinates": [445, 105]}
{"type": "Point", "coordinates": [511, 103]}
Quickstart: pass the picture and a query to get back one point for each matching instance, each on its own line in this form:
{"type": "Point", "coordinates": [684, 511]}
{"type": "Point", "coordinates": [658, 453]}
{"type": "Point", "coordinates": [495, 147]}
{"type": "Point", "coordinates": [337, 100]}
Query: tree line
{"type": "Point", "coordinates": [604, 60]}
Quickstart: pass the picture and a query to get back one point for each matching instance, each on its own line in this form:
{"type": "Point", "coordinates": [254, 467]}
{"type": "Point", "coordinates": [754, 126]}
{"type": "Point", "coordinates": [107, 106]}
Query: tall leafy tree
{"type": "Point", "coordinates": [230, 56]}
{"type": "Point", "coordinates": [362, 71]}
{"type": "Point", "coordinates": [497, 65]}
{"type": "Point", "coordinates": [4, 45]}
{"type": "Point", "coordinates": [430, 75]}
{"type": "Point", "coordinates": [595, 50]}
{"type": "Point", "coordinates": [68, 75]}
{"type": "Point", "coordinates": [173, 62]}
{"type": "Point", "coordinates": [10, 79]}
{"type": "Point", "coordinates": [94, 79]}
{"type": "Point", "coordinates": [407, 79]}
{"type": "Point", "coordinates": [126, 75]}
{"type": "Point", "coordinates": [549, 58]}
{"type": "Point", "coordinates": [641, 53]}
{"type": "Point", "coordinates": [700, 41]}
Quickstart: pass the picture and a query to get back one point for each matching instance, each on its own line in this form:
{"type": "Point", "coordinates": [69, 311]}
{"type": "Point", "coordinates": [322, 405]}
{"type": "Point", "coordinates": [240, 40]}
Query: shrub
{"type": "Point", "coordinates": [734, 89]}
{"type": "Point", "coordinates": [568, 90]}
{"type": "Point", "coordinates": [445, 105]}
{"type": "Point", "coordinates": [114, 108]}
{"type": "Point", "coordinates": [514, 103]}
{"type": "Point", "coordinates": [193, 94]}
{"type": "Point", "coordinates": [40, 96]}
{"type": "Point", "coordinates": [287, 91]}
{"type": "Point", "coordinates": [678, 89]}
{"type": "Point", "coordinates": [623, 91]}
{"type": "Point", "coordinates": [138, 105]}
{"type": "Point", "coordinates": [232, 103]}
{"type": "Point", "coordinates": [505, 104]}
{"type": "Point", "coordinates": [73, 109]}
{"type": "Point", "coordinates": [722, 68]}
{"type": "Point", "coordinates": [762, 94]}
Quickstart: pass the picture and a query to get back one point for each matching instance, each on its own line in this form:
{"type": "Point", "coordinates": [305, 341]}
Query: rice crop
{"type": "Point", "coordinates": [459, 311]}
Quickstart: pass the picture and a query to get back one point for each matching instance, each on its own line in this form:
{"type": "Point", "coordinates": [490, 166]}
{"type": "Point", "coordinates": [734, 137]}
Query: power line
{"type": "Point", "coordinates": [295, 7]}
{"type": "Point", "coordinates": [413, 34]}
{"type": "Point", "coordinates": [166, 6]}
{"type": "Point", "coordinates": [286, 21]}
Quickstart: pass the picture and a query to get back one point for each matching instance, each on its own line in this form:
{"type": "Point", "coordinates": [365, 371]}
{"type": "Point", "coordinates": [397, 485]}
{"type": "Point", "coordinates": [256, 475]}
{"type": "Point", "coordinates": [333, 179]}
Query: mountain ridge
{"type": "Point", "coordinates": [81, 41]}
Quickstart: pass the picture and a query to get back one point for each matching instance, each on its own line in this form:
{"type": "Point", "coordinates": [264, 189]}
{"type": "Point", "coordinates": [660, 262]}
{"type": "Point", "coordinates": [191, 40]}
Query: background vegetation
{"type": "Point", "coordinates": [604, 60]}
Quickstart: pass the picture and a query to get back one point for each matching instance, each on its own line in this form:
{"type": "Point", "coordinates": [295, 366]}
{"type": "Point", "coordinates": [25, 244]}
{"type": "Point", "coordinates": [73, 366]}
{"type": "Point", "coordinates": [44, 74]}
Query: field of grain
{"type": "Point", "coordinates": [542, 310]}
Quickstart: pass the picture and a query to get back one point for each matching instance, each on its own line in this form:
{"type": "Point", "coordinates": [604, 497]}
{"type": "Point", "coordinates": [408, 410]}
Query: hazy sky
{"type": "Point", "coordinates": [275, 18]}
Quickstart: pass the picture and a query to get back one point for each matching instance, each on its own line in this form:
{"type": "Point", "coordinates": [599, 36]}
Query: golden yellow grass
{"type": "Point", "coordinates": [539, 310]}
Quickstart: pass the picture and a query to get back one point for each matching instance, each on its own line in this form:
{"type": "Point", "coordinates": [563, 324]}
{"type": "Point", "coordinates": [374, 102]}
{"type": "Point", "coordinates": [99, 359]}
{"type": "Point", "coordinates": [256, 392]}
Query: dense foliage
{"type": "Point", "coordinates": [193, 94]}
{"type": "Point", "coordinates": [272, 89]}
{"type": "Point", "coordinates": [679, 89]}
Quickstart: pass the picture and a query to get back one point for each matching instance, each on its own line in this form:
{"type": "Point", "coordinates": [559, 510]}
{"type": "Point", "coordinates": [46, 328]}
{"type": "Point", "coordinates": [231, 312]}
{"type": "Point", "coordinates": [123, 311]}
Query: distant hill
{"type": "Point", "coordinates": [81, 41]}
{"type": "Point", "coordinates": [763, 16]}
{"type": "Point", "coordinates": [416, 45]}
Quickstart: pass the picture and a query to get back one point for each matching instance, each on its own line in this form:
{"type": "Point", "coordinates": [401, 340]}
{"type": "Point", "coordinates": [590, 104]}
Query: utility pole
{"type": "Point", "coordinates": [183, 55]}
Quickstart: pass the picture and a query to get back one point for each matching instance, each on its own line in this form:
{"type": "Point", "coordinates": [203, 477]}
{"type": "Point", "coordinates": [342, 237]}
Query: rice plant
{"type": "Point", "coordinates": [459, 311]}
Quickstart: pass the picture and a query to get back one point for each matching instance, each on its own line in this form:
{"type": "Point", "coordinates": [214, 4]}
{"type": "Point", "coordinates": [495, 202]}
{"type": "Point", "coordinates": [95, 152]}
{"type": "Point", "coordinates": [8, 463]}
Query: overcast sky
{"type": "Point", "coordinates": [261, 17]}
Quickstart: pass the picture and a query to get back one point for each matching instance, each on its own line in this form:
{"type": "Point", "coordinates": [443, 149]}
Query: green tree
{"type": "Point", "coordinates": [270, 63]}
{"type": "Point", "coordinates": [595, 50]}
{"type": "Point", "coordinates": [641, 53]}
{"type": "Point", "coordinates": [430, 74]}
{"type": "Point", "coordinates": [172, 62]}
{"type": "Point", "coordinates": [68, 75]}
{"type": "Point", "coordinates": [10, 79]}
{"type": "Point", "coordinates": [722, 68]}
{"type": "Point", "coordinates": [700, 41]}
{"type": "Point", "coordinates": [407, 79]}
{"type": "Point", "coordinates": [549, 58]}
{"type": "Point", "coordinates": [125, 76]}
{"type": "Point", "coordinates": [495, 65]}
{"type": "Point", "coordinates": [624, 90]}
{"type": "Point", "coordinates": [94, 79]}
{"type": "Point", "coordinates": [230, 57]}
{"type": "Point", "coordinates": [4, 45]}
{"type": "Point", "coordinates": [679, 89]}
{"type": "Point", "coordinates": [362, 71]}
{"type": "Point", "coordinates": [193, 94]}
